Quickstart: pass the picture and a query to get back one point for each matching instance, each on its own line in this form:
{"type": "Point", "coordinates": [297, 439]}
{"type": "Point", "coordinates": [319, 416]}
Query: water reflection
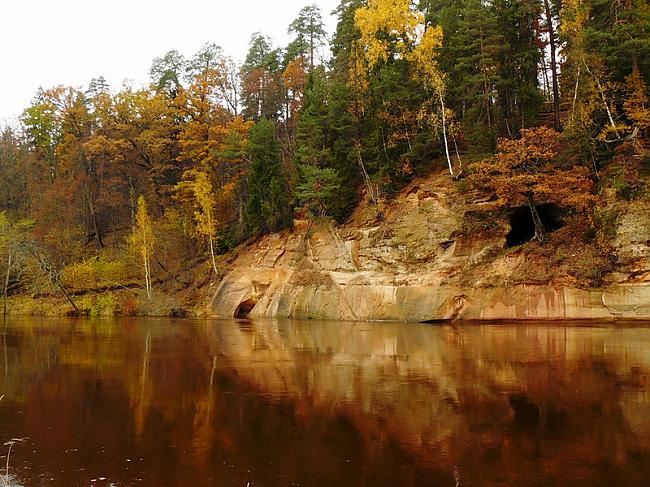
{"type": "Point", "coordinates": [161, 403]}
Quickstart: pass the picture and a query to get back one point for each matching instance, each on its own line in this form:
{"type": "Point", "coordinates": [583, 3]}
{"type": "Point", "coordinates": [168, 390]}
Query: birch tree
{"type": "Point", "coordinates": [143, 241]}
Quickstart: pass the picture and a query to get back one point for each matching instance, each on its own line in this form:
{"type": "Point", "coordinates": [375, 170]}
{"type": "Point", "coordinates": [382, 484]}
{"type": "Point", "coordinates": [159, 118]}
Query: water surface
{"type": "Point", "coordinates": [226, 403]}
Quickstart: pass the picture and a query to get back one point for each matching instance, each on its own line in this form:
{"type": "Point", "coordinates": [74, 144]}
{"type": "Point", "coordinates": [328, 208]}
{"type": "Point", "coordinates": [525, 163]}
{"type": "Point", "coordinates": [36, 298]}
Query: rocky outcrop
{"type": "Point", "coordinates": [433, 255]}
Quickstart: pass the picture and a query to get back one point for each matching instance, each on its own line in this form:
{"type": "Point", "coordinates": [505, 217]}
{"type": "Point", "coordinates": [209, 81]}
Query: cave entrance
{"type": "Point", "coordinates": [245, 308]}
{"type": "Point", "coordinates": [522, 225]}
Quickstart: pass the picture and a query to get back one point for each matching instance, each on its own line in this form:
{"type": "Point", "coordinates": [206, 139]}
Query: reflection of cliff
{"type": "Point", "coordinates": [282, 403]}
{"type": "Point", "coordinates": [499, 401]}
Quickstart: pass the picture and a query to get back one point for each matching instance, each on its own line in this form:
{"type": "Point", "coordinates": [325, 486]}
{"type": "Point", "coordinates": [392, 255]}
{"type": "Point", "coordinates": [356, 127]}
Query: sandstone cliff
{"type": "Point", "coordinates": [439, 252]}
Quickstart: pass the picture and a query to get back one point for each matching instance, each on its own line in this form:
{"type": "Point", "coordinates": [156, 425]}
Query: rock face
{"type": "Point", "coordinates": [433, 255]}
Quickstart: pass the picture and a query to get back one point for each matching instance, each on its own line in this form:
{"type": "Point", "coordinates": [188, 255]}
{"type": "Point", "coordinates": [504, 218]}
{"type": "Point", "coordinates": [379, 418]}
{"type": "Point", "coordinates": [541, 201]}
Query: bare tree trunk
{"type": "Point", "coordinates": [540, 231]}
{"type": "Point", "coordinates": [147, 277]}
{"type": "Point", "coordinates": [575, 95]}
{"type": "Point", "coordinates": [486, 86]}
{"type": "Point", "coordinates": [460, 161]}
{"type": "Point", "coordinates": [214, 262]}
{"type": "Point", "coordinates": [444, 134]}
{"type": "Point", "coordinates": [556, 88]}
{"type": "Point", "coordinates": [366, 178]}
{"type": "Point", "coordinates": [602, 96]}
{"type": "Point", "coordinates": [147, 268]}
{"type": "Point", "coordinates": [6, 288]}
{"type": "Point", "coordinates": [134, 203]}
{"type": "Point", "coordinates": [53, 276]}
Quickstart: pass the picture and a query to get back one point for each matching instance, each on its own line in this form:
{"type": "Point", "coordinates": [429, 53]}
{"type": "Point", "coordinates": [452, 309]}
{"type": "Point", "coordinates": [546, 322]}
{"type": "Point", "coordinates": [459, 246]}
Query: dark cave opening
{"type": "Point", "coordinates": [523, 227]}
{"type": "Point", "coordinates": [245, 308]}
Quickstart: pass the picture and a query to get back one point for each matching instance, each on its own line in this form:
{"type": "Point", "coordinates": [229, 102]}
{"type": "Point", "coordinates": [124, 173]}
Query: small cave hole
{"type": "Point", "coordinates": [522, 225]}
{"type": "Point", "coordinates": [245, 308]}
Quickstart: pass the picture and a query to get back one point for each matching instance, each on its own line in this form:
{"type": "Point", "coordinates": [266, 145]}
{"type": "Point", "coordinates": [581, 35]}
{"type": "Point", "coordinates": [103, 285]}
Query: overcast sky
{"type": "Point", "coordinates": [44, 43]}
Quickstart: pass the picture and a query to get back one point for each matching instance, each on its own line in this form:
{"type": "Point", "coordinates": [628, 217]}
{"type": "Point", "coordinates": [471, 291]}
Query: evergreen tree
{"type": "Point", "coordinates": [310, 35]}
{"type": "Point", "coordinates": [518, 92]}
{"type": "Point", "coordinates": [473, 46]}
{"type": "Point", "coordinates": [267, 208]}
{"type": "Point", "coordinates": [311, 138]}
{"type": "Point", "coordinates": [319, 189]}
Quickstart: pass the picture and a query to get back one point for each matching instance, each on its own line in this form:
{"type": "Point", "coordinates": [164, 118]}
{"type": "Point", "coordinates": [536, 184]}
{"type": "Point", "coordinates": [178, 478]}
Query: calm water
{"type": "Point", "coordinates": [185, 403]}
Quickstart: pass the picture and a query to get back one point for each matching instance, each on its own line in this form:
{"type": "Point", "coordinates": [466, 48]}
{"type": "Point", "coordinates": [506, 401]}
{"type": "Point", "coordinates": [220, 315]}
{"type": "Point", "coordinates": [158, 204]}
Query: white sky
{"type": "Point", "coordinates": [51, 42]}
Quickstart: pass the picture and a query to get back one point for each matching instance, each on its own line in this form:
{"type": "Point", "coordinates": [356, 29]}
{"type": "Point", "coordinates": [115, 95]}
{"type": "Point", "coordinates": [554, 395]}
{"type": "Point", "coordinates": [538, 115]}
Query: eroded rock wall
{"type": "Point", "coordinates": [420, 262]}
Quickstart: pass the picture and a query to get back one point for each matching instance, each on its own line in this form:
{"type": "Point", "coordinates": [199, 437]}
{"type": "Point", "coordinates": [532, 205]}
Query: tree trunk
{"type": "Point", "coordinates": [214, 262]}
{"type": "Point", "coordinates": [366, 178]}
{"type": "Point", "coordinates": [603, 98]}
{"type": "Point", "coordinates": [444, 134]}
{"type": "Point", "coordinates": [147, 267]}
{"type": "Point", "coordinates": [540, 231]}
{"type": "Point", "coordinates": [486, 85]}
{"type": "Point", "coordinates": [556, 89]}
{"type": "Point", "coordinates": [6, 287]}
{"type": "Point", "coordinates": [575, 95]}
{"type": "Point", "coordinates": [147, 278]}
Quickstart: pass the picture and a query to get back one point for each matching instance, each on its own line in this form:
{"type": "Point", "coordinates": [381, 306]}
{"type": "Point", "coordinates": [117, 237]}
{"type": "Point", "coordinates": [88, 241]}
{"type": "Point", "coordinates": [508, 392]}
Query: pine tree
{"type": "Point", "coordinates": [518, 93]}
{"type": "Point", "coordinates": [472, 49]}
{"type": "Point", "coordinates": [311, 137]}
{"type": "Point", "coordinates": [310, 35]}
{"type": "Point", "coordinates": [319, 189]}
{"type": "Point", "coordinates": [267, 208]}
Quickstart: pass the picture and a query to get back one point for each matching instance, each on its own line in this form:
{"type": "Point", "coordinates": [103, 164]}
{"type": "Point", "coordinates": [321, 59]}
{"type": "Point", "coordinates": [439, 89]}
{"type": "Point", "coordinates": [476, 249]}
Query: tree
{"type": "Point", "coordinates": [309, 31]}
{"type": "Point", "coordinates": [527, 170]}
{"type": "Point", "coordinates": [166, 73]}
{"type": "Point", "coordinates": [24, 253]}
{"type": "Point", "coordinates": [261, 80]}
{"type": "Point", "coordinates": [550, 27]}
{"type": "Point", "coordinates": [268, 206]}
{"type": "Point", "coordinates": [518, 94]}
{"type": "Point", "coordinates": [637, 103]}
{"type": "Point", "coordinates": [319, 189]}
{"type": "Point", "coordinates": [143, 242]}
{"type": "Point", "coordinates": [472, 50]}
{"type": "Point", "coordinates": [424, 56]}
{"type": "Point", "coordinates": [196, 187]}
{"type": "Point", "coordinates": [311, 138]}
{"type": "Point", "coordinates": [294, 79]}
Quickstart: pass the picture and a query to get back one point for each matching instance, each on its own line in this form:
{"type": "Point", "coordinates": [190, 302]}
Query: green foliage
{"type": "Point", "coordinates": [319, 189]}
{"type": "Point", "coordinates": [267, 208]}
{"type": "Point", "coordinates": [309, 35]}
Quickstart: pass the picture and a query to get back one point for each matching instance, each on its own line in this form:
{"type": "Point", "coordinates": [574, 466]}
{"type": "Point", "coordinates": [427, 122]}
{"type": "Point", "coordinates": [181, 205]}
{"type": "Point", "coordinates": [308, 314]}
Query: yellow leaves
{"type": "Point", "coordinates": [636, 104]}
{"type": "Point", "coordinates": [424, 58]}
{"type": "Point", "coordinates": [197, 190]}
{"type": "Point", "coordinates": [575, 14]}
{"type": "Point", "coordinates": [387, 24]}
{"type": "Point", "coordinates": [143, 232]}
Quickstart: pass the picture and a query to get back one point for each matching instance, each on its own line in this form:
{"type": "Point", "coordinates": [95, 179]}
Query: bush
{"type": "Point", "coordinates": [97, 273]}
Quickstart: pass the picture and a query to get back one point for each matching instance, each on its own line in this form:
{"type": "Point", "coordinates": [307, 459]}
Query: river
{"type": "Point", "coordinates": [129, 402]}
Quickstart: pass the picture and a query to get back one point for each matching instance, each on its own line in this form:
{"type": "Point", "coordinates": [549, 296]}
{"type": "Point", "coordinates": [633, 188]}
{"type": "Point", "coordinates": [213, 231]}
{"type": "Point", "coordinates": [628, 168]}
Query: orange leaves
{"type": "Point", "coordinates": [530, 165]}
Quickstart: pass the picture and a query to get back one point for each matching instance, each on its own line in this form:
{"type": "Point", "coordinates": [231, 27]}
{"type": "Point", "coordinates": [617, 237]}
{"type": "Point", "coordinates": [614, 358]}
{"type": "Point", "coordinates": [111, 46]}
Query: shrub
{"type": "Point", "coordinates": [97, 273]}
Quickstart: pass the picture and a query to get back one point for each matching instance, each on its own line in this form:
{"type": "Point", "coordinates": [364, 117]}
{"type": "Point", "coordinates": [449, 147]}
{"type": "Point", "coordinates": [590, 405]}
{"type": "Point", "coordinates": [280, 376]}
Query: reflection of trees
{"type": "Point", "coordinates": [520, 403]}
